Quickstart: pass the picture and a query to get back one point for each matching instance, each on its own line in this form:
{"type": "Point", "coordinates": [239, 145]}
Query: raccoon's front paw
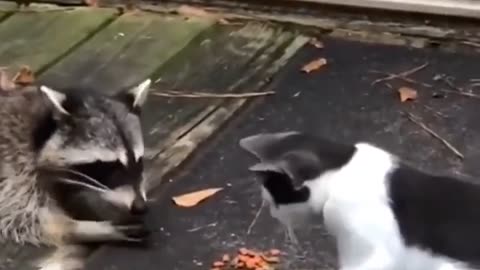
{"type": "Point", "coordinates": [133, 233]}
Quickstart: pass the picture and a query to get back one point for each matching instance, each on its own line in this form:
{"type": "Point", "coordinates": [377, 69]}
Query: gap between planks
{"type": "Point", "coordinates": [171, 157]}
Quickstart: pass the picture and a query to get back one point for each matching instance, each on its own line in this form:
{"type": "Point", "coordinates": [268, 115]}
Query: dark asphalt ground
{"type": "Point", "coordinates": [338, 102]}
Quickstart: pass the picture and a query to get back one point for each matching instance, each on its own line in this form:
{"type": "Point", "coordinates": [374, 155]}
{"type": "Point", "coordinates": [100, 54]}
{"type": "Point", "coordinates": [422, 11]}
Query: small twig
{"type": "Point", "coordinates": [435, 111]}
{"type": "Point", "coordinates": [213, 224]}
{"type": "Point", "coordinates": [466, 94]}
{"type": "Point", "coordinates": [415, 120]}
{"type": "Point", "coordinates": [402, 75]}
{"type": "Point", "coordinates": [176, 94]}
{"type": "Point", "coordinates": [449, 82]}
{"type": "Point", "coordinates": [259, 211]}
{"type": "Point", "coordinates": [471, 43]}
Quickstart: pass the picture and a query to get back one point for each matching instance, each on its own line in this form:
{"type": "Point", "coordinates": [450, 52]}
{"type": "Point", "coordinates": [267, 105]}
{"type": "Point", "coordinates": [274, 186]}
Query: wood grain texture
{"type": "Point", "coordinates": [127, 51]}
{"type": "Point", "coordinates": [173, 154]}
{"type": "Point", "coordinates": [220, 61]}
{"type": "Point", "coordinates": [38, 39]}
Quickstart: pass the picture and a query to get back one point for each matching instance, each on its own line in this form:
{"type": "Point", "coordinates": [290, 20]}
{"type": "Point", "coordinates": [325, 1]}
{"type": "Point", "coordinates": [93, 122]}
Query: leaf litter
{"type": "Point", "coordinates": [314, 65]}
{"type": "Point", "coordinates": [193, 198]}
{"type": "Point", "coordinates": [24, 77]}
{"type": "Point", "coordinates": [407, 93]}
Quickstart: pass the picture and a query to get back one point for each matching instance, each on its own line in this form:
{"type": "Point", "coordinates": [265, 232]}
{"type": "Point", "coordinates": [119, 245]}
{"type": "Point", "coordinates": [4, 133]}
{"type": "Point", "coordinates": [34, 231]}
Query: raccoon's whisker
{"type": "Point", "coordinates": [73, 182]}
{"type": "Point", "coordinates": [86, 177]}
{"type": "Point", "coordinates": [91, 179]}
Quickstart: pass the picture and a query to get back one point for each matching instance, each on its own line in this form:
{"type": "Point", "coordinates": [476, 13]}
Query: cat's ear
{"type": "Point", "coordinates": [264, 145]}
{"type": "Point", "coordinates": [56, 100]}
{"type": "Point", "coordinates": [302, 165]}
{"type": "Point", "coordinates": [136, 96]}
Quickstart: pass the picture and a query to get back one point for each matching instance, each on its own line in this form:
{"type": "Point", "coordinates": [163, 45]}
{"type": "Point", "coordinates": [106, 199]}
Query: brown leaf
{"type": "Point", "coordinates": [407, 93]}
{"type": "Point", "coordinates": [316, 43]}
{"type": "Point", "coordinates": [314, 65]}
{"type": "Point", "coordinates": [92, 3]}
{"type": "Point", "coordinates": [193, 198]}
{"type": "Point", "coordinates": [6, 83]}
{"type": "Point", "coordinates": [24, 76]}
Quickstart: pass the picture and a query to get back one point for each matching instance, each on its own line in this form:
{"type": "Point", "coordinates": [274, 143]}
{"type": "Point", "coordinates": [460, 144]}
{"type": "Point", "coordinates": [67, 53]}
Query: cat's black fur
{"type": "Point", "coordinates": [437, 213]}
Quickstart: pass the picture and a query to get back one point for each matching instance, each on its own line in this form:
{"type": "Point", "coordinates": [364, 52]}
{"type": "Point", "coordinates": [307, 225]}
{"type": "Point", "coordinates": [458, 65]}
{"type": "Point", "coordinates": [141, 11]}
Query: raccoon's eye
{"type": "Point", "coordinates": [103, 172]}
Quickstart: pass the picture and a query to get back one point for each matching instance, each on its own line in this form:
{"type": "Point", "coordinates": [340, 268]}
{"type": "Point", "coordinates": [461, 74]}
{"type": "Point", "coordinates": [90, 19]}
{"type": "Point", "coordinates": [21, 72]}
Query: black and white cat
{"type": "Point", "coordinates": [383, 213]}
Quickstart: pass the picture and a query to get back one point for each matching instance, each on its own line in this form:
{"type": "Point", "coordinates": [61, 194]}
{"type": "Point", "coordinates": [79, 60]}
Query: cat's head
{"type": "Point", "coordinates": [288, 159]}
{"type": "Point", "coordinates": [97, 141]}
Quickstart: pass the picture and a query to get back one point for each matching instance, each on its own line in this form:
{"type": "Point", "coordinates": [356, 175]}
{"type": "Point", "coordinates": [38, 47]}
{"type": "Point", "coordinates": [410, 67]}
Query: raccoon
{"type": "Point", "coordinates": [72, 166]}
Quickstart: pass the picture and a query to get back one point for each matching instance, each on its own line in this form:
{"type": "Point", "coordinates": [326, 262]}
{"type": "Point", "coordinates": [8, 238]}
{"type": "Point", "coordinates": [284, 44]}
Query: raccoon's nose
{"type": "Point", "coordinates": [139, 206]}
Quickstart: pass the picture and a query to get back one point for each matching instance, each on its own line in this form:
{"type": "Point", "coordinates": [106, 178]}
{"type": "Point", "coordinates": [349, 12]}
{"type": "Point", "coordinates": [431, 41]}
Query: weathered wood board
{"type": "Point", "coordinates": [38, 39]}
{"type": "Point", "coordinates": [130, 49]}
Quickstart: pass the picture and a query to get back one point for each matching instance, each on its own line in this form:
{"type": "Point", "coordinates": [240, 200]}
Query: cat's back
{"type": "Point", "coordinates": [438, 214]}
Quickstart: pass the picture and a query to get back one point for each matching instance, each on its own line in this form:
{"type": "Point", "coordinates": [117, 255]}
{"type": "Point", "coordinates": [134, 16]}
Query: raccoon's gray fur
{"type": "Point", "coordinates": [71, 166]}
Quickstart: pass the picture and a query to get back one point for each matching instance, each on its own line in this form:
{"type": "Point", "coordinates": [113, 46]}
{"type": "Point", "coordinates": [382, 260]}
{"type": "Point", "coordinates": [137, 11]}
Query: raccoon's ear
{"type": "Point", "coordinates": [136, 96]}
{"type": "Point", "coordinates": [301, 165]}
{"type": "Point", "coordinates": [265, 145]}
{"type": "Point", "coordinates": [55, 98]}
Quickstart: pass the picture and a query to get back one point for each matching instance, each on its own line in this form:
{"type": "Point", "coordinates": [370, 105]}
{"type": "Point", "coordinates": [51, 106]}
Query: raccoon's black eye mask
{"type": "Point", "coordinates": [112, 174]}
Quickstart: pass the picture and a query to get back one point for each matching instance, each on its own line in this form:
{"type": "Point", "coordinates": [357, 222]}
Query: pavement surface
{"type": "Point", "coordinates": [337, 101]}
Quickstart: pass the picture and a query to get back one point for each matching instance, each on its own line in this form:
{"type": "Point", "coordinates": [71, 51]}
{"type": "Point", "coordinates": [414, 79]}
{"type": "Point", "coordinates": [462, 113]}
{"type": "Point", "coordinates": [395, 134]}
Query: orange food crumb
{"type": "Point", "coordinates": [243, 251]}
{"type": "Point", "coordinates": [218, 264]}
{"type": "Point", "coordinates": [226, 258]}
{"type": "Point", "coordinates": [275, 252]}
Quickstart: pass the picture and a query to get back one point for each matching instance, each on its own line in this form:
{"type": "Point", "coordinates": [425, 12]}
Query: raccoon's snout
{"type": "Point", "coordinates": [139, 206]}
{"type": "Point", "coordinates": [127, 197]}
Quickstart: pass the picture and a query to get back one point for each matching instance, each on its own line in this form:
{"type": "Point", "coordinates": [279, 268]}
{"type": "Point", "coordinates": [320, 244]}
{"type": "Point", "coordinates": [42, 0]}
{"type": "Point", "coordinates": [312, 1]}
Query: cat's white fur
{"type": "Point", "coordinates": [355, 206]}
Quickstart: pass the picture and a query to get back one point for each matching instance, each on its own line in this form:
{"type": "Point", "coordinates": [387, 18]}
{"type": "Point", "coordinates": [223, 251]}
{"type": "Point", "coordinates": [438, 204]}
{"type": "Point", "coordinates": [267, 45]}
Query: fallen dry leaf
{"type": "Point", "coordinates": [226, 258]}
{"type": "Point", "coordinates": [407, 93]}
{"type": "Point", "coordinates": [193, 198]}
{"type": "Point", "coordinates": [91, 3]}
{"type": "Point", "coordinates": [24, 76]}
{"type": "Point", "coordinates": [6, 83]}
{"type": "Point", "coordinates": [314, 65]}
{"type": "Point", "coordinates": [316, 43]}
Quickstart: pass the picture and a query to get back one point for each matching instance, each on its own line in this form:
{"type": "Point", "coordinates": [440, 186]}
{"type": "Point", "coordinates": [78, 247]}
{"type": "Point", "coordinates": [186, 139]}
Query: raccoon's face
{"type": "Point", "coordinates": [98, 141]}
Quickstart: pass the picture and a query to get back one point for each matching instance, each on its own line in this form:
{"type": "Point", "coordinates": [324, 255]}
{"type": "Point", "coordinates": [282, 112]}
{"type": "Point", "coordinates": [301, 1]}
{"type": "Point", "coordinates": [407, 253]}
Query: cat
{"type": "Point", "coordinates": [384, 214]}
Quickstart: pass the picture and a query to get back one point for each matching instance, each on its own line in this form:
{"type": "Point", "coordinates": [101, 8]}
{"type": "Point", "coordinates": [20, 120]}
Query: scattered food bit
{"type": "Point", "coordinates": [193, 198]}
{"type": "Point", "coordinates": [407, 93]}
{"type": "Point", "coordinates": [314, 65]}
{"type": "Point", "coordinates": [218, 264]}
{"type": "Point", "coordinates": [24, 76]}
{"type": "Point", "coordinates": [274, 252]}
{"type": "Point", "coordinates": [316, 43]}
{"type": "Point", "coordinates": [247, 259]}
